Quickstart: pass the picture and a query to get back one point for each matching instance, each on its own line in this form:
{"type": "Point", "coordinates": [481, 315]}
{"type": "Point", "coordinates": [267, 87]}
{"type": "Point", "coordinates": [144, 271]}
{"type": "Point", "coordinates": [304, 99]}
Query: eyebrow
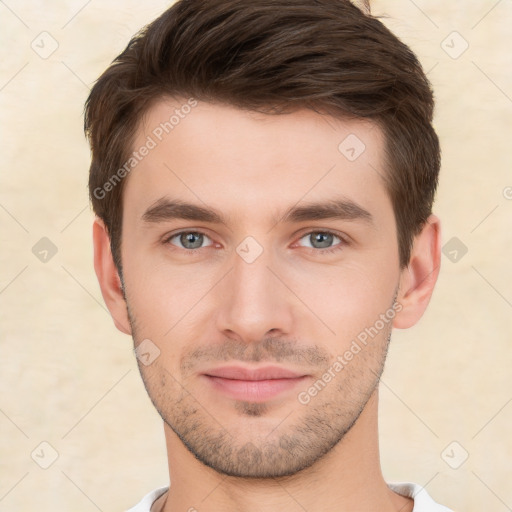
{"type": "Point", "coordinates": [166, 209]}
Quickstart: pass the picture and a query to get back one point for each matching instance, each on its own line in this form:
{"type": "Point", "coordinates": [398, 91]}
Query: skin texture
{"type": "Point", "coordinates": [295, 306]}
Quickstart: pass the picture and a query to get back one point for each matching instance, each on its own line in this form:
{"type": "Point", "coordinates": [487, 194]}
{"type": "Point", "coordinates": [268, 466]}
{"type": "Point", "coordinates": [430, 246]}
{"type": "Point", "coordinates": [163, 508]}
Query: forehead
{"type": "Point", "coordinates": [243, 160]}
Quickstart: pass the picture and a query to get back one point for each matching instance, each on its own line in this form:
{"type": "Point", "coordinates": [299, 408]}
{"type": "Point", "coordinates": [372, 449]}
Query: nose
{"type": "Point", "coordinates": [253, 301]}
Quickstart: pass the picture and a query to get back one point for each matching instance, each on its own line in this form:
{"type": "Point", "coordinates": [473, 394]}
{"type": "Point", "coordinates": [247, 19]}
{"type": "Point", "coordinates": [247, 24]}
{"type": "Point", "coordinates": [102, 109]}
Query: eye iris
{"type": "Point", "coordinates": [323, 239]}
{"type": "Point", "coordinates": [319, 240]}
{"type": "Point", "coordinates": [195, 240]}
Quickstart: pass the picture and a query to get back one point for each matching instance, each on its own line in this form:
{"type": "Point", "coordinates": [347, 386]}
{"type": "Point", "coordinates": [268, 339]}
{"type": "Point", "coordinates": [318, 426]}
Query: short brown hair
{"type": "Point", "coordinates": [272, 56]}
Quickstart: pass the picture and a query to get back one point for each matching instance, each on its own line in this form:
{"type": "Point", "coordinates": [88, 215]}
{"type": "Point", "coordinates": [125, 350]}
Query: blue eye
{"type": "Point", "coordinates": [323, 240]}
{"type": "Point", "coordinates": [188, 240]}
{"type": "Point", "coordinates": [320, 242]}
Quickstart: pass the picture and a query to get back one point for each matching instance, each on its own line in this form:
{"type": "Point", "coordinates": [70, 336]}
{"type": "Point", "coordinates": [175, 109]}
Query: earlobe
{"type": "Point", "coordinates": [108, 277]}
{"type": "Point", "coordinates": [418, 279]}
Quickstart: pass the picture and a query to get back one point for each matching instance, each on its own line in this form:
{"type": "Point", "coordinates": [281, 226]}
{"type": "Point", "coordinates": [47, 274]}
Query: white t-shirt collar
{"type": "Point", "coordinates": [422, 501]}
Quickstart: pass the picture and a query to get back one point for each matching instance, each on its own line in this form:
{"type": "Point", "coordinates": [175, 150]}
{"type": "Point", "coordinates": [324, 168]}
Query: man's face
{"type": "Point", "coordinates": [263, 284]}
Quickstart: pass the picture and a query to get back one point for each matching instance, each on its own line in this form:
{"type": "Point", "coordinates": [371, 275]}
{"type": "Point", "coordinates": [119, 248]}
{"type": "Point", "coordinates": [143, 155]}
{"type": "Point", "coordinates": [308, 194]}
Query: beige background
{"type": "Point", "coordinates": [68, 378]}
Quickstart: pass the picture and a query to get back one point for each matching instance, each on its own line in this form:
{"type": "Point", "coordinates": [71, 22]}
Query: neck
{"type": "Point", "coordinates": [347, 478]}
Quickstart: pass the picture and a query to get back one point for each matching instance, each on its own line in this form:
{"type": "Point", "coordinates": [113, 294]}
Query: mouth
{"type": "Point", "coordinates": [253, 385]}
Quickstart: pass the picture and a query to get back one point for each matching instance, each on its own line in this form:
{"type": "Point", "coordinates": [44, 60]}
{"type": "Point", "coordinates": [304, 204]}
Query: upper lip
{"type": "Point", "coordinates": [263, 373]}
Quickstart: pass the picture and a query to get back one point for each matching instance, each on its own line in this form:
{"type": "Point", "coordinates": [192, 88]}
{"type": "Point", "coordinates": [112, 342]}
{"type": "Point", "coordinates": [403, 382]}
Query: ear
{"type": "Point", "coordinates": [418, 279]}
{"type": "Point", "coordinates": [108, 277]}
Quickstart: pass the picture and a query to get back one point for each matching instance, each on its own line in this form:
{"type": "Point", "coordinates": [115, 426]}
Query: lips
{"type": "Point", "coordinates": [265, 373]}
{"type": "Point", "coordinates": [254, 385]}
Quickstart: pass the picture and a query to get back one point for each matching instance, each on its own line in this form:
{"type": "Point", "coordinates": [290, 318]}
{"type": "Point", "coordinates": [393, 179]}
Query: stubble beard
{"type": "Point", "coordinates": [297, 442]}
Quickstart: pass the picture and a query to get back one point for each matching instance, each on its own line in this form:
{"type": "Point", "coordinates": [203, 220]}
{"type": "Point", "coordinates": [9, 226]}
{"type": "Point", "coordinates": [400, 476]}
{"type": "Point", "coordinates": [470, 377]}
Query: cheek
{"type": "Point", "coordinates": [348, 298]}
{"type": "Point", "coordinates": [167, 301]}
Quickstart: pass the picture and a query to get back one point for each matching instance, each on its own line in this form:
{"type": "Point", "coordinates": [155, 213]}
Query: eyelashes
{"type": "Point", "coordinates": [330, 233]}
{"type": "Point", "coordinates": [191, 241]}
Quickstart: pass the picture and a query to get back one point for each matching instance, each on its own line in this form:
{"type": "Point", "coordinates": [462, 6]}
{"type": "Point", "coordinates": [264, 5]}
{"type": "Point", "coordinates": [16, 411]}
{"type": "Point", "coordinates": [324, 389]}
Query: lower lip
{"type": "Point", "coordinates": [253, 390]}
